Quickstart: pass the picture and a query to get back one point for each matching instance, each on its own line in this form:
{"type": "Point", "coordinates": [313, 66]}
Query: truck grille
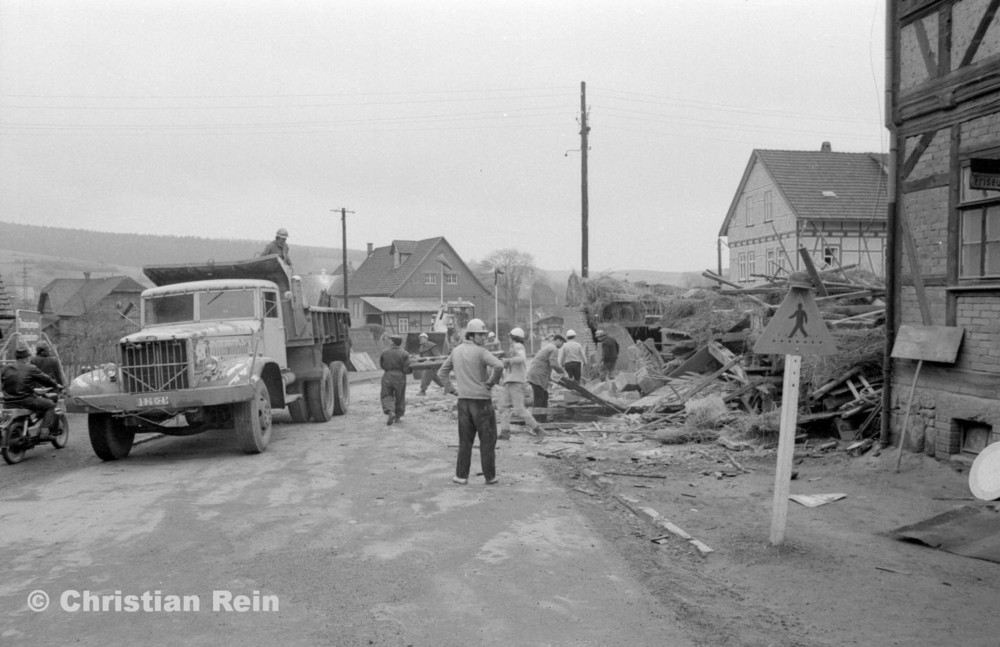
{"type": "Point", "coordinates": [149, 366]}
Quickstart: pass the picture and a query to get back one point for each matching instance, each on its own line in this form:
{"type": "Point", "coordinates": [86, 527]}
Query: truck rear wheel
{"type": "Point", "coordinates": [319, 396]}
{"type": "Point", "coordinates": [298, 410]}
{"type": "Point", "coordinates": [108, 436]}
{"type": "Point", "coordinates": [253, 420]}
{"type": "Point", "coordinates": [341, 390]}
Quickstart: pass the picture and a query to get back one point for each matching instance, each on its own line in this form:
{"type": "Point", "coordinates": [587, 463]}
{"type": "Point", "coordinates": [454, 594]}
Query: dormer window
{"type": "Point", "coordinates": [398, 259]}
{"type": "Point", "coordinates": [829, 194]}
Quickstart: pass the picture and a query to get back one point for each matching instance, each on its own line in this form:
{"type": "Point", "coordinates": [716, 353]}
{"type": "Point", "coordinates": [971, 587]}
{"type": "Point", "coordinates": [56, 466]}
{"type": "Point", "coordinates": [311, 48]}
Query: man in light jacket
{"type": "Point", "coordinates": [475, 370]}
{"type": "Point", "coordinates": [512, 396]}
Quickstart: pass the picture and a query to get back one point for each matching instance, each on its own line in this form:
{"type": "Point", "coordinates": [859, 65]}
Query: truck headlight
{"type": "Point", "coordinates": [111, 371]}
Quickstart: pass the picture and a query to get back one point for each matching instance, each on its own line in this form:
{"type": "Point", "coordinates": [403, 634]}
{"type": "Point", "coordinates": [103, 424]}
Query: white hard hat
{"type": "Point", "coordinates": [281, 233]}
{"type": "Point", "coordinates": [423, 335]}
{"type": "Point", "coordinates": [599, 333]}
{"type": "Point", "coordinates": [570, 333]}
{"type": "Point", "coordinates": [492, 334]}
{"type": "Point", "coordinates": [517, 332]}
{"type": "Point", "coordinates": [476, 326]}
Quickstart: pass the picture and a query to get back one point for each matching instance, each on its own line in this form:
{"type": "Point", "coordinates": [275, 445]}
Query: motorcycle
{"type": "Point", "coordinates": [21, 429]}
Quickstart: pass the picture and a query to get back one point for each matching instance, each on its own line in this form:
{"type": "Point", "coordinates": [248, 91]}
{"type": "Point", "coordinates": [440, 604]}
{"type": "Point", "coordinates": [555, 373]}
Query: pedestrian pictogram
{"type": "Point", "coordinates": [797, 328]}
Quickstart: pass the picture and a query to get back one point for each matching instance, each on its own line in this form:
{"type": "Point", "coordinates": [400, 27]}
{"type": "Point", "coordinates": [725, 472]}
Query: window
{"type": "Point", "coordinates": [979, 256]}
{"type": "Point", "coordinates": [772, 266]}
{"type": "Point", "coordinates": [751, 265]}
{"type": "Point", "coordinates": [404, 325]}
{"type": "Point", "coordinates": [430, 278]}
{"type": "Point", "coordinates": [742, 262]}
{"type": "Point", "coordinates": [831, 255]}
{"type": "Point", "coordinates": [270, 305]}
{"type": "Point", "coordinates": [218, 305]}
{"type": "Point", "coordinates": [749, 211]}
{"type": "Point", "coordinates": [451, 279]}
{"type": "Point", "coordinates": [768, 207]}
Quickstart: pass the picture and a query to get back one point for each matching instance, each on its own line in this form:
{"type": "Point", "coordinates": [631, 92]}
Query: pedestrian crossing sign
{"type": "Point", "coordinates": [797, 328]}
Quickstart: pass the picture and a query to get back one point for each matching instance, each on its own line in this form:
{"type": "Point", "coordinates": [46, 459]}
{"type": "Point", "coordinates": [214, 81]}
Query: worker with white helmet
{"type": "Point", "coordinates": [573, 357]}
{"type": "Point", "coordinates": [514, 379]}
{"type": "Point", "coordinates": [279, 246]}
{"type": "Point", "coordinates": [474, 368]}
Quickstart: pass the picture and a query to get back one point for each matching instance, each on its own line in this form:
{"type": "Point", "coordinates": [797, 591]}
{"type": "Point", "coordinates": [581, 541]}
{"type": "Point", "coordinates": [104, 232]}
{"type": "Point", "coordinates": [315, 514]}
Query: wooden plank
{"type": "Point", "coordinates": [724, 356]}
{"type": "Point", "coordinates": [786, 448]}
{"type": "Point", "coordinates": [817, 281]}
{"type": "Point", "coordinates": [918, 279]}
{"type": "Point", "coordinates": [930, 343]}
{"type": "Point", "coordinates": [565, 382]}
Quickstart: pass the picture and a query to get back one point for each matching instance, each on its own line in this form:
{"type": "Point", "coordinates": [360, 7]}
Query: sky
{"type": "Point", "coordinates": [454, 118]}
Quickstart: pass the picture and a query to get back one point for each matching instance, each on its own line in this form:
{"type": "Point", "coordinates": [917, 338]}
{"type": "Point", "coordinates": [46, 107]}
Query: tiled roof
{"type": "Point", "coordinates": [823, 184]}
{"type": "Point", "coordinates": [377, 277]}
{"type": "Point", "coordinates": [807, 179]}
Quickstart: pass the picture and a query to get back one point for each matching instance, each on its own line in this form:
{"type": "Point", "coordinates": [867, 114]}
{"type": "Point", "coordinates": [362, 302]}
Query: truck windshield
{"type": "Point", "coordinates": [226, 304]}
{"type": "Point", "coordinates": [169, 309]}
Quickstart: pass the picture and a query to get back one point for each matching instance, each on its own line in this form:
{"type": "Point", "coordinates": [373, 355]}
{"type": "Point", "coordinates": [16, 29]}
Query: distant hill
{"type": "Point", "coordinates": [650, 277]}
{"type": "Point", "coordinates": [31, 256]}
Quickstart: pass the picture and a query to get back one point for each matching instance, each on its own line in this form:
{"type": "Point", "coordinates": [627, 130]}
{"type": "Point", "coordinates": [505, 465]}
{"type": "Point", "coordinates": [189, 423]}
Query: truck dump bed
{"type": "Point", "coordinates": [266, 268]}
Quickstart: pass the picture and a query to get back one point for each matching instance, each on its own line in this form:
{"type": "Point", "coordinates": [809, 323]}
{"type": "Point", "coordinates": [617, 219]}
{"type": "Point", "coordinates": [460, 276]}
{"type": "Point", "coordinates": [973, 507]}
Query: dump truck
{"type": "Point", "coordinates": [220, 346]}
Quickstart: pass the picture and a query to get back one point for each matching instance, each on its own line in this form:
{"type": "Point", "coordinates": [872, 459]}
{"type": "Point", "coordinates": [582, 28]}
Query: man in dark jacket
{"type": "Point", "coordinates": [396, 363]}
{"type": "Point", "coordinates": [609, 354]}
{"type": "Point", "coordinates": [19, 382]}
{"type": "Point", "coordinates": [47, 363]}
{"type": "Point", "coordinates": [279, 246]}
{"type": "Point", "coordinates": [428, 348]}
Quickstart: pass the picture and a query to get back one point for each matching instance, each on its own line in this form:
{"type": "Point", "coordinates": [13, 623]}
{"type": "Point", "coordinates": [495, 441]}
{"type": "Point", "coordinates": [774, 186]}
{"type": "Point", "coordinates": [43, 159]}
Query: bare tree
{"type": "Point", "coordinates": [509, 269]}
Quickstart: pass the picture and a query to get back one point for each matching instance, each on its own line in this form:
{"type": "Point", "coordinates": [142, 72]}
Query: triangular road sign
{"type": "Point", "coordinates": [797, 328]}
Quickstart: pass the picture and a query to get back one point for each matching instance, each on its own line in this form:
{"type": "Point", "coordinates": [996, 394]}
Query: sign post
{"type": "Point", "coordinates": [796, 329]}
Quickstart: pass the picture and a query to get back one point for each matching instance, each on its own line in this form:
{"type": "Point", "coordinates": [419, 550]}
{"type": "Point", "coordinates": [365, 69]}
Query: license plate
{"type": "Point", "coordinates": [153, 401]}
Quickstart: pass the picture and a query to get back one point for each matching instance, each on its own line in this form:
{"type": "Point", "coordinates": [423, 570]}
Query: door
{"type": "Point", "coordinates": [273, 328]}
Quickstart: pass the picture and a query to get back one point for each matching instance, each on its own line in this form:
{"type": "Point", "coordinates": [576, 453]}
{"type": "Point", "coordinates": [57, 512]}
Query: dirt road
{"type": "Point", "coordinates": [344, 533]}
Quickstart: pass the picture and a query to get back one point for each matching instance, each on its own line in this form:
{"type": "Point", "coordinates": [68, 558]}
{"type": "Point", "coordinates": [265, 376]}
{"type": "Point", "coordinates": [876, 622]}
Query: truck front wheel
{"type": "Point", "coordinates": [253, 420]}
{"type": "Point", "coordinates": [108, 436]}
{"type": "Point", "coordinates": [319, 396]}
{"type": "Point", "coordinates": [341, 390]}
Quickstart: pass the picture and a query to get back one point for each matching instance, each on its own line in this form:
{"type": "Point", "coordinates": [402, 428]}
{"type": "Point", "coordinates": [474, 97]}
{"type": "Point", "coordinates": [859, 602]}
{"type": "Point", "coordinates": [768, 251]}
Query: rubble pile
{"type": "Point", "coordinates": [702, 382]}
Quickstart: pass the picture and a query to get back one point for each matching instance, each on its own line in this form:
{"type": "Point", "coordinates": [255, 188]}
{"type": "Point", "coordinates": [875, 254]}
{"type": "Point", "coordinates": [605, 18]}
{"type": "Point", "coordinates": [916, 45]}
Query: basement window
{"type": "Point", "coordinates": [976, 435]}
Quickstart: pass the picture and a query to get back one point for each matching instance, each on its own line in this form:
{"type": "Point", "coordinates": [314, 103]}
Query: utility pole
{"type": "Point", "coordinates": [343, 245]}
{"type": "Point", "coordinates": [584, 130]}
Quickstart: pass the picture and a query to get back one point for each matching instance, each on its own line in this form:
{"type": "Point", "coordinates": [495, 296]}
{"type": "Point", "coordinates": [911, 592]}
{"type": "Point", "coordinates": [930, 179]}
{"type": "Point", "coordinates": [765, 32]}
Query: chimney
{"type": "Point", "coordinates": [826, 148]}
{"type": "Point", "coordinates": [86, 276]}
{"type": "Point", "coordinates": [371, 247]}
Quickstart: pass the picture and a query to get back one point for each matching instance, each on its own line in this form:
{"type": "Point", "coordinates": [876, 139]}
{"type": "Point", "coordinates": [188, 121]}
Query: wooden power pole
{"type": "Point", "coordinates": [584, 130]}
{"type": "Point", "coordinates": [343, 244]}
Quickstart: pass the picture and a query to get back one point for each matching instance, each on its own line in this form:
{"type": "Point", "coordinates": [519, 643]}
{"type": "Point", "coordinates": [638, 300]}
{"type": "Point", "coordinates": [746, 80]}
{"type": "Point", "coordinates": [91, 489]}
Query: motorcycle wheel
{"type": "Point", "coordinates": [13, 454]}
{"type": "Point", "coordinates": [62, 439]}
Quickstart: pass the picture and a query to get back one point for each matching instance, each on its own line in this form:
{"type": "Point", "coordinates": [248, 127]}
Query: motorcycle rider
{"type": "Point", "coordinates": [48, 363]}
{"type": "Point", "coordinates": [19, 381]}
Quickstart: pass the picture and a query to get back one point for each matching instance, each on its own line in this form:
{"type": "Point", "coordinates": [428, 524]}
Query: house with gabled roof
{"type": "Point", "coordinates": [401, 286]}
{"type": "Point", "coordinates": [65, 299]}
{"type": "Point", "coordinates": [831, 204]}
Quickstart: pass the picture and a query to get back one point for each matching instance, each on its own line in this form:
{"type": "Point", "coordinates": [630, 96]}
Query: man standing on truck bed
{"type": "Point", "coordinates": [279, 246]}
{"type": "Point", "coordinates": [396, 363]}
